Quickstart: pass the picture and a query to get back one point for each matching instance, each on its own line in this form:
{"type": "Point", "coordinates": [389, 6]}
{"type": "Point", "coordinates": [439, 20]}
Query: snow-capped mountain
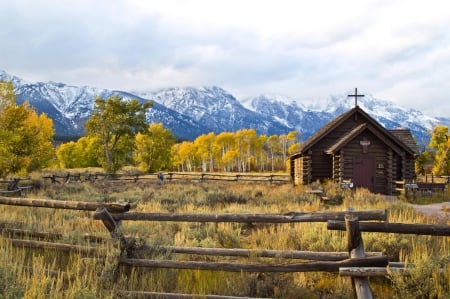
{"type": "Point", "coordinates": [70, 106]}
{"type": "Point", "coordinates": [215, 109]}
{"type": "Point", "coordinates": [189, 112]}
{"type": "Point", "coordinates": [290, 113]}
{"type": "Point", "coordinates": [308, 119]}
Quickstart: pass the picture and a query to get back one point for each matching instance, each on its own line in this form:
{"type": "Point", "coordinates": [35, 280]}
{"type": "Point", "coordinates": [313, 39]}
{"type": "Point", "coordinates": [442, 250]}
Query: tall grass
{"type": "Point", "coordinates": [37, 273]}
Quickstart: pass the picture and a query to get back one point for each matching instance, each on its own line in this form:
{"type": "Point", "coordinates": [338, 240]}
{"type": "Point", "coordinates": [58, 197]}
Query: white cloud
{"type": "Point", "coordinates": [396, 50]}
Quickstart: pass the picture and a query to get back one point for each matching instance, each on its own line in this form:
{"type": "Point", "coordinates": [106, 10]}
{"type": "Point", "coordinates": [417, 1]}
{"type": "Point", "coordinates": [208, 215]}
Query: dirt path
{"type": "Point", "coordinates": [435, 209]}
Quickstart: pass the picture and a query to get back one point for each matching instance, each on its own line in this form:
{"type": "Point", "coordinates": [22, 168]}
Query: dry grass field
{"type": "Point", "coordinates": [47, 273]}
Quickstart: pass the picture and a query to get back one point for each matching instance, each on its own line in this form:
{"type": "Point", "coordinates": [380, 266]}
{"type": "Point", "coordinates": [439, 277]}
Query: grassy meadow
{"type": "Point", "coordinates": [46, 273]}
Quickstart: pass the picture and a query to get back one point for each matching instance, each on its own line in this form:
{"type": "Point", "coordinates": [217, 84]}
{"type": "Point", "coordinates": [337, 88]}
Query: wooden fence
{"type": "Point", "coordinates": [412, 188]}
{"type": "Point", "coordinates": [163, 177]}
{"type": "Point", "coordinates": [13, 186]}
{"type": "Point", "coordinates": [355, 263]}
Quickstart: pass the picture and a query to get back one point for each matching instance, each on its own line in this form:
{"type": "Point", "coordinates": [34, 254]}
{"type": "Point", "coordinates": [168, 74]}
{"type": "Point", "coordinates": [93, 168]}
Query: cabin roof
{"type": "Point", "coordinates": [407, 138]}
{"type": "Point", "coordinates": [398, 137]}
{"type": "Point", "coordinates": [346, 138]}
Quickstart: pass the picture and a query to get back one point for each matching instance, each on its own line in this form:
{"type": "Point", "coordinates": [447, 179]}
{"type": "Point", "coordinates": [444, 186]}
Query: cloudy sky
{"type": "Point", "coordinates": [307, 50]}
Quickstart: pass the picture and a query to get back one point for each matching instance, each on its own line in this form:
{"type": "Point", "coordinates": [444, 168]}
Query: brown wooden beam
{"type": "Point", "coordinates": [287, 254]}
{"type": "Point", "coordinates": [401, 228]}
{"type": "Point", "coordinates": [118, 207]}
{"type": "Point", "coordinates": [158, 295]}
{"type": "Point", "coordinates": [322, 266]}
{"type": "Point", "coordinates": [355, 246]}
{"type": "Point", "coordinates": [89, 250]}
{"type": "Point", "coordinates": [369, 271]}
{"type": "Point", "coordinates": [49, 236]}
{"type": "Point", "coordinates": [246, 218]}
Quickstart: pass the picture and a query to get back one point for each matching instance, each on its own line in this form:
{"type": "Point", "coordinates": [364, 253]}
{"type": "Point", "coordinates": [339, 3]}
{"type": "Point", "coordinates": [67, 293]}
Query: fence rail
{"type": "Point", "coordinates": [248, 218]}
{"type": "Point", "coordinates": [356, 263]}
{"type": "Point", "coordinates": [318, 266]}
{"type": "Point", "coordinates": [411, 187]}
{"type": "Point", "coordinates": [400, 228]}
{"type": "Point", "coordinates": [161, 177]}
{"type": "Point", "coordinates": [13, 186]}
{"type": "Point", "coordinates": [238, 252]}
{"type": "Point", "coordinates": [118, 207]}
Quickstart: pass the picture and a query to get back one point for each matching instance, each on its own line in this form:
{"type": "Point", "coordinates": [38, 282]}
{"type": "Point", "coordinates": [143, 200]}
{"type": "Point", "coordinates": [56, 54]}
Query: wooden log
{"type": "Point", "coordinates": [356, 248]}
{"type": "Point", "coordinates": [30, 234]}
{"type": "Point", "coordinates": [369, 271]}
{"type": "Point", "coordinates": [88, 250]}
{"type": "Point", "coordinates": [113, 227]}
{"type": "Point", "coordinates": [16, 232]}
{"type": "Point", "coordinates": [354, 239]}
{"type": "Point", "coordinates": [264, 218]}
{"type": "Point", "coordinates": [118, 207]}
{"type": "Point", "coordinates": [110, 223]}
{"type": "Point", "coordinates": [322, 266]}
{"type": "Point", "coordinates": [396, 264]}
{"type": "Point", "coordinates": [229, 177]}
{"type": "Point", "coordinates": [157, 295]}
{"type": "Point", "coordinates": [288, 254]}
{"type": "Point", "coordinates": [401, 228]}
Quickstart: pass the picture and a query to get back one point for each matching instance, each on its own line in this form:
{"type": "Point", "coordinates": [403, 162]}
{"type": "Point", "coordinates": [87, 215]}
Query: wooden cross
{"type": "Point", "coordinates": [356, 95]}
{"type": "Point", "coordinates": [365, 143]}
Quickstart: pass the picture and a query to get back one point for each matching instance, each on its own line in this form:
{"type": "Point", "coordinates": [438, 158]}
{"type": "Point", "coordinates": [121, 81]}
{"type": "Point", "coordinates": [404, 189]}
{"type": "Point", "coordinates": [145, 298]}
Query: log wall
{"type": "Point", "coordinates": [391, 161]}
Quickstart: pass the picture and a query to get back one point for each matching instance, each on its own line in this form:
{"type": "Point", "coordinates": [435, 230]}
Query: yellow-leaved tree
{"type": "Point", "coordinates": [85, 152]}
{"type": "Point", "coordinates": [115, 123]}
{"type": "Point", "coordinates": [185, 156]}
{"type": "Point", "coordinates": [25, 136]}
{"type": "Point", "coordinates": [205, 150]}
{"type": "Point", "coordinates": [225, 143]}
{"type": "Point", "coordinates": [154, 148]}
{"type": "Point", "coordinates": [440, 144]}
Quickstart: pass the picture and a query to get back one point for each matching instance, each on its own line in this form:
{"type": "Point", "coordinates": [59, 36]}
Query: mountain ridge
{"type": "Point", "coordinates": [189, 112]}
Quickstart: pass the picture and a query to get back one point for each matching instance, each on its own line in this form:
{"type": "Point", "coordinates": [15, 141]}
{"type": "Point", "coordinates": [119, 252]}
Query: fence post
{"type": "Point", "coordinates": [108, 220]}
{"type": "Point", "coordinates": [67, 178]}
{"type": "Point", "coordinates": [54, 180]}
{"type": "Point", "coordinates": [356, 249]}
{"type": "Point", "coordinates": [112, 225]}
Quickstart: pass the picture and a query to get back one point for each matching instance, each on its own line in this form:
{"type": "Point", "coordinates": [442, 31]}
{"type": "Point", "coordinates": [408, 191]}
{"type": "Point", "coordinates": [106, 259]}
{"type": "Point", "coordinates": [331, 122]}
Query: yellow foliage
{"type": "Point", "coordinates": [26, 137]}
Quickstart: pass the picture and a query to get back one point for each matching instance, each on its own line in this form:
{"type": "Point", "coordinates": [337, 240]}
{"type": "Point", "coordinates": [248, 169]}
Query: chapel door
{"type": "Point", "coordinates": [364, 173]}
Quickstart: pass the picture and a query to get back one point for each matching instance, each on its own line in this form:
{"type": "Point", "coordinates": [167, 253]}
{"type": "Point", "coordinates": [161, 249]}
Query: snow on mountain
{"type": "Point", "coordinates": [280, 108]}
{"type": "Point", "coordinates": [190, 112]}
{"type": "Point", "coordinates": [308, 119]}
{"type": "Point", "coordinates": [71, 106]}
{"type": "Point", "coordinates": [290, 113]}
{"type": "Point", "coordinates": [4, 76]}
{"type": "Point", "coordinates": [215, 110]}
{"type": "Point", "coordinates": [68, 106]}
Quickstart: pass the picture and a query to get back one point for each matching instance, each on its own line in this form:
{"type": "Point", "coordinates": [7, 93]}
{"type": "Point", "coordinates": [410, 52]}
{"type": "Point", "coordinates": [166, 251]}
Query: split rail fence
{"type": "Point", "coordinates": [412, 187]}
{"type": "Point", "coordinates": [162, 177]}
{"type": "Point", "coordinates": [14, 186]}
{"type": "Point", "coordinates": [355, 263]}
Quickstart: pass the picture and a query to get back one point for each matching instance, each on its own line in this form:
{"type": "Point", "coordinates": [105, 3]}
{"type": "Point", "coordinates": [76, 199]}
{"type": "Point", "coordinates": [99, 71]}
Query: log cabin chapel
{"type": "Point", "coordinates": [355, 147]}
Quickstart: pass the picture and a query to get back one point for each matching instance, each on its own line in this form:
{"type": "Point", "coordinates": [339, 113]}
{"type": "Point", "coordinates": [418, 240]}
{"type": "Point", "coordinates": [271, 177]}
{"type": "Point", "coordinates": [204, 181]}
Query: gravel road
{"type": "Point", "coordinates": [435, 209]}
